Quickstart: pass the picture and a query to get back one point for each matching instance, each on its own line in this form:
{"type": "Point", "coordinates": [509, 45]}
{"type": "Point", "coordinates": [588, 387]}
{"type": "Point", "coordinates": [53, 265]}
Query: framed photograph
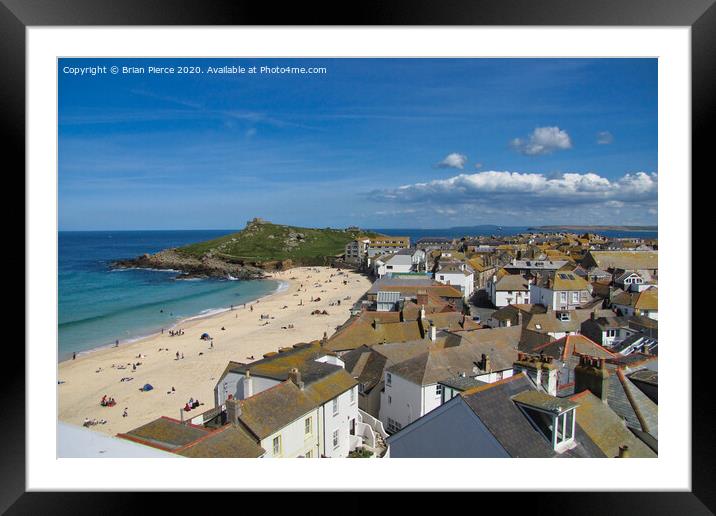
{"type": "Point", "coordinates": [431, 237]}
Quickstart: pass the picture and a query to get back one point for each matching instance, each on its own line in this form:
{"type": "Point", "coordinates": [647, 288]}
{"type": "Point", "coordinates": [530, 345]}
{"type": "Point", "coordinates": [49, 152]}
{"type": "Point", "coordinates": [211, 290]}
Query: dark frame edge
{"type": "Point", "coordinates": [12, 105]}
{"type": "Point", "coordinates": [702, 499]}
{"type": "Point", "coordinates": [703, 97]}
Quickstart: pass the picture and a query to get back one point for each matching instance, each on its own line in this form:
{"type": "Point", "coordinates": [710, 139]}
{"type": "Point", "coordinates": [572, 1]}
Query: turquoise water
{"type": "Point", "coordinates": [98, 305]}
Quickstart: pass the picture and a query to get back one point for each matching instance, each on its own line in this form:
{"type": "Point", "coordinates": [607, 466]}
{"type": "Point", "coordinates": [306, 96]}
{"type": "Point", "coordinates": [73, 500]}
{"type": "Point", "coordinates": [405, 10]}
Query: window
{"type": "Point", "coordinates": [393, 426]}
{"type": "Point", "coordinates": [309, 454]}
{"type": "Point", "coordinates": [611, 333]}
{"type": "Point", "coordinates": [308, 426]}
{"type": "Point", "coordinates": [335, 406]}
{"type": "Point", "coordinates": [575, 297]}
{"type": "Point", "coordinates": [438, 389]}
{"type": "Point", "coordinates": [335, 439]}
{"type": "Point", "coordinates": [562, 297]}
{"type": "Point", "coordinates": [388, 378]}
{"type": "Point", "coordinates": [277, 445]}
{"type": "Point", "coordinates": [390, 400]}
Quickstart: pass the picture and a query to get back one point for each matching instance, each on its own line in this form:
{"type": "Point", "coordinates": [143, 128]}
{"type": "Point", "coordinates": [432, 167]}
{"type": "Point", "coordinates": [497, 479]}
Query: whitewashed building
{"type": "Point", "coordinates": [510, 289]}
{"type": "Point", "coordinates": [459, 275]}
{"type": "Point", "coordinates": [561, 291]}
{"type": "Point", "coordinates": [298, 403]}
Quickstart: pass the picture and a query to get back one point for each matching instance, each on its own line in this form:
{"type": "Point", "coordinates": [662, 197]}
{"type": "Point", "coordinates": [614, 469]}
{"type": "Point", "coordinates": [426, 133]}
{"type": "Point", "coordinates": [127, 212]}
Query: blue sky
{"type": "Point", "coordinates": [372, 142]}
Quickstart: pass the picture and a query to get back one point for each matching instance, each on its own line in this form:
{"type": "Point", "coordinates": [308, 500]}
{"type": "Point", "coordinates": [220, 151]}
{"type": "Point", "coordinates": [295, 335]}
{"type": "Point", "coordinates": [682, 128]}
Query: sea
{"type": "Point", "coordinates": [99, 305]}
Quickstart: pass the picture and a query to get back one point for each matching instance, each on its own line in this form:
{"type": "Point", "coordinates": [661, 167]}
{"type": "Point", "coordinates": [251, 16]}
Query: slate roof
{"type": "Point", "coordinates": [227, 441]}
{"type": "Point", "coordinates": [606, 429]}
{"type": "Point", "coordinates": [543, 401]}
{"type": "Point", "coordinates": [301, 356]}
{"type": "Point", "coordinates": [194, 441]}
{"type": "Point", "coordinates": [512, 282]}
{"type": "Point", "coordinates": [570, 345]}
{"type": "Point", "coordinates": [645, 300]}
{"type": "Point", "coordinates": [462, 383]}
{"type": "Point", "coordinates": [564, 281]}
{"type": "Point", "coordinates": [362, 330]}
{"type": "Point", "coordinates": [549, 323]}
{"type": "Point", "coordinates": [166, 433]}
{"type": "Point", "coordinates": [493, 404]}
{"type": "Point", "coordinates": [630, 403]}
{"type": "Point", "coordinates": [462, 353]}
{"type": "Point", "coordinates": [627, 260]}
{"type": "Point", "coordinates": [270, 410]}
{"type": "Point", "coordinates": [510, 312]}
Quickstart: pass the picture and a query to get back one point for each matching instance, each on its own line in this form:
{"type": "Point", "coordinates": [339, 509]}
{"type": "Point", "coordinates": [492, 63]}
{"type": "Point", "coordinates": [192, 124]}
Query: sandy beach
{"type": "Point", "coordinates": [86, 379]}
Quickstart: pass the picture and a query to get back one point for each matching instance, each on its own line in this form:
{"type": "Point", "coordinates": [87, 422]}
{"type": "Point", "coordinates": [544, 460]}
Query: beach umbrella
{"type": "Point", "coordinates": [205, 336]}
{"type": "Point", "coordinates": [147, 387]}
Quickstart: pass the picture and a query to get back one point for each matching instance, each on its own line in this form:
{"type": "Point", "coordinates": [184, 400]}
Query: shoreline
{"type": "Point", "coordinates": [209, 312]}
{"type": "Point", "coordinates": [184, 366]}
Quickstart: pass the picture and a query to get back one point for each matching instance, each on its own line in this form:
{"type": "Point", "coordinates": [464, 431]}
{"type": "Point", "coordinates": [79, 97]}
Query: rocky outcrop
{"type": "Point", "coordinates": [207, 266]}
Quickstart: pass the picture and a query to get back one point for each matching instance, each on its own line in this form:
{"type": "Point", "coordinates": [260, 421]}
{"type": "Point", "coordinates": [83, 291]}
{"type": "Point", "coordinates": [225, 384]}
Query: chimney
{"type": "Point", "coordinates": [233, 411]}
{"type": "Point", "coordinates": [295, 376]}
{"type": "Point", "coordinates": [593, 316]}
{"type": "Point", "coordinates": [508, 322]}
{"type": "Point", "coordinates": [591, 374]}
{"type": "Point", "coordinates": [519, 317]}
{"type": "Point", "coordinates": [486, 365]}
{"type": "Point", "coordinates": [376, 324]}
{"type": "Point", "coordinates": [433, 332]}
{"type": "Point", "coordinates": [422, 311]}
{"type": "Point", "coordinates": [422, 297]}
{"type": "Point", "coordinates": [248, 385]}
{"type": "Point", "coordinates": [624, 452]}
{"type": "Point", "coordinates": [539, 369]}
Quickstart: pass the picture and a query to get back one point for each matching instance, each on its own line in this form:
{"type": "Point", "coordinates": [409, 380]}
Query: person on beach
{"type": "Point", "coordinates": [124, 414]}
{"type": "Point", "coordinates": [177, 355]}
{"type": "Point", "coordinates": [74, 355]}
{"type": "Point", "coordinates": [116, 343]}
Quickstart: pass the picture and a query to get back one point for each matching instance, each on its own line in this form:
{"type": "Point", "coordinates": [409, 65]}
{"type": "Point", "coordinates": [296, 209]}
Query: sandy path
{"type": "Point", "coordinates": [194, 376]}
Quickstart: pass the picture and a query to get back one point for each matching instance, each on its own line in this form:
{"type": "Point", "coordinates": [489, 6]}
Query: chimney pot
{"type": "Point", "coordinates": [295, 376]}
{"type": "Point", "coordinates": [624, 452]}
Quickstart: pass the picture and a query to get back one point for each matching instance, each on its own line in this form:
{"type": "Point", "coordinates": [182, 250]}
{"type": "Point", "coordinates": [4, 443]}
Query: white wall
{"type": "Point", "coordinates": [402, 401]}
{"type": "Point", "coordinates": [503, 297]}
{"type": "Point", "coordinates": [347, 410]}
{"type": "Point", "coordinates": [294, 441]}
{"type": "Point", "coordinates": [233, 384]}
{"type": "Point", "coordinates": [466, 284]}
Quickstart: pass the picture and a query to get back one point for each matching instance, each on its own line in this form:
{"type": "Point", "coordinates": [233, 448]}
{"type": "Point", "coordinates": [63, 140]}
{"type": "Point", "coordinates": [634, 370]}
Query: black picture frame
{"type": "Point", "coordinates": [17, 15]}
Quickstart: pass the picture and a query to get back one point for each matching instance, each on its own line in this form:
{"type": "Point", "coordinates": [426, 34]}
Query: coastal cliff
{"type": "Point", "coordinates": [252, 252]}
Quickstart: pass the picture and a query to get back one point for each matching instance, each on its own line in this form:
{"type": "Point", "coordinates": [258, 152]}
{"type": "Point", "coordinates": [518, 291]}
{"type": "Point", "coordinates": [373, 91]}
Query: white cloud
{"type": "Point", "coordinates": [604, 138]}
{"type": "Point", "coordinates": [571, 195]}
{"type": "Point", "coordinates": [453, 160]}
{"type": "Point", "coordinates": [543, 140]}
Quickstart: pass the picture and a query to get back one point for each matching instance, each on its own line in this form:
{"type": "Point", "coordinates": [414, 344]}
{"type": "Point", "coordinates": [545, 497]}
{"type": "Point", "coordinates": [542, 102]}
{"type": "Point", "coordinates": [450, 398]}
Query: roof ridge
{"type": "Point", "coordinates": [480, 388]}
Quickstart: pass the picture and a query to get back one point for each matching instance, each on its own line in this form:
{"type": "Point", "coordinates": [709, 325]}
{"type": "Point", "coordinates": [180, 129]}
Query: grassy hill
{"type": "Point", "coordinates": [263, 241]}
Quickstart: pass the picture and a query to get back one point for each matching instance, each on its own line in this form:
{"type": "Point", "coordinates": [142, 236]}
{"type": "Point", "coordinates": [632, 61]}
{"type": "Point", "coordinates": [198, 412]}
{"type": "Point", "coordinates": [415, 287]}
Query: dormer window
{"type": "Point", "coordinates": [563, 316]}
{"type": "Point", "coordinates": [554, 418]}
